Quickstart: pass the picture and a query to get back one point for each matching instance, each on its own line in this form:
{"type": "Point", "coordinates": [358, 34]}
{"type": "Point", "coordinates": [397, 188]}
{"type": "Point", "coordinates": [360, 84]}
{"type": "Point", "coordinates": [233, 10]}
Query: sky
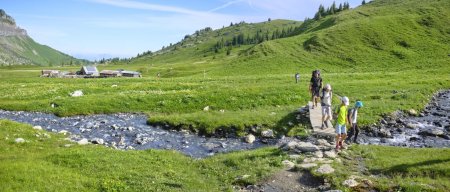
{"type": "Point", "coordinates": [96, 29]}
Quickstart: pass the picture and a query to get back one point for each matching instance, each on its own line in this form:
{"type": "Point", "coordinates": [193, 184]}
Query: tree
{"type": "Point", "coordinates": [269, 20]}
{"type": "Point", "coordinates": [333, 9]}
{"type": "Point", "coordinates": [229, 51]}
{"type": "Point", "coordinates": [363, 2]}
{"type": "Point", "coordinates": [340, 7]}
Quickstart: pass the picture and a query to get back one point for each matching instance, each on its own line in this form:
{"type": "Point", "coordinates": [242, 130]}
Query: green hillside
{"type": "Point", "coordinates": [17, 48]}
{"type": "Point", "coordinates": [199, 49]}
{"type": "Point", "coordinates": [395, 34]}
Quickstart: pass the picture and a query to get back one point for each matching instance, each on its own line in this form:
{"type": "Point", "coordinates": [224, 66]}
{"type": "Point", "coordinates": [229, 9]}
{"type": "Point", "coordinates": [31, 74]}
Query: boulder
{"type": "Point", "coordinates": [249, 138]}
{"type": "Point", "coordinates": [307, 147]}
{"type": "Point", "coordinates": [294, 157]}
{"type": "Point", "coordinates": [412, 112]}
{"type": "Point", "coordinates": [288, 164]}
{"type": "Point", "coordinates": [307, 165]}
{"type": "Point", "coordinates": [77, 93]}
{"type": "Point", "coordinates": [206, 108]}
{"type": "Point", "coordinates": [330, 154]}
{"type": "Point", "coordinates": [432, 132]}
{"type": "Point", "coordinates": [350, 183]}
{"type": "Point", "coordinates": [322, 142]}
{"type": "Point", "coordinates": [412, 125]}
{"type": "Point", "coordinates": [83, 142]}
{"type": "Point", "coordinates": [325, 169]}
{"type": "Point", "coordinates": [318, 154]}
{"type": "Point", "coordinates": [97, 141]}
{"type": "Point", "coordinates": [384, 133]}
{"type": "Point", "coordinates": [37, 127]}
{"type": "Point", "coordinates": [267, 134]}
{"type": "Point", "coordinates": [19, 140]}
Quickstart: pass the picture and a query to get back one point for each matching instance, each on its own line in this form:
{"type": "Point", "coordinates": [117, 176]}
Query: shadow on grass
{"type": "Point", "coordinates": [406, 168]}
{"type": "Point", "coordinates": [291, 126]}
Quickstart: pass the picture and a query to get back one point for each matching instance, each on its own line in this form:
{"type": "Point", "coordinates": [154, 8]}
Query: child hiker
{"type": "Point", "coordinates": [342, 121]}
{"type": "Point", "coordinates": [353, 116]}
{"type": "Point", "coordinates": [326, 99]}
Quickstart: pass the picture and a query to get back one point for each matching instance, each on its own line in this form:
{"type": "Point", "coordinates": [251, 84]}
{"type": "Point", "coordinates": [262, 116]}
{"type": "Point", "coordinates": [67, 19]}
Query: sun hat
{"type": "Point", "coordinates": [359, 104]}
{"type": "Point", "coordinates": [328, 87]}
{"type": "Point", "coordinates": [345, 100]}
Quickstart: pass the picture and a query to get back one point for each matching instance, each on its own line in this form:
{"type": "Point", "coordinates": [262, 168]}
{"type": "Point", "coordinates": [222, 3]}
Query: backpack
{"type": "Point", "coordinates": [317, 82]}
{"type": "Point", "coordinates": [351, 113]}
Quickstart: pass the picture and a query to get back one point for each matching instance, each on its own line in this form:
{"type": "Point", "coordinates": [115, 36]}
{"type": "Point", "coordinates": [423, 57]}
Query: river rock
{"type": "Point", "coordinates": [306, 147]}
{"type": "Point", "coordinates": [384, 133]}
{"type": "Point", "coordinates": [267, 134]}
{"type": "Point", "coordinates": [249, 138]}
{"type": "Point", "coordinates": [432, 132]}
{"type": "Point", "coordinates": [294, 157]}
{"type": "Point", "coordinates": [325, 169]}
{"type": "Point", "coordinates": [322, 142]}
{"type": "Point", "coordinates": [318, 154]}
{"type": "Point", "coordinates": [19, 140]}
{"type": "Point", "coordinates": [37, 127]}
{"type": "Point", "coordinates": [97, 141]}
{"type": "Point", "coordinates": [412, 125]}
{"type": "Point", "coordinates": [307, 165]}
{"type": "Point", "coordinates": [412, 112]}
{"type": "Point", "coordinates": [290, 146]}
{"type": "Point", "coordinates": [77, 93]}
{"type": "Point", "coordinates": [288, 164]}
{"type": "Point", "coordinates": [350, 183]}
{"type": "Point", "coordinates": [330, 154]}
{"type": "Point", "coordinates": [83, 142]}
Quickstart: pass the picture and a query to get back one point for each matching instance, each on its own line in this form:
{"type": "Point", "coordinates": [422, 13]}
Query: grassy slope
{"type": "Point", "coordinates": [30, 52]}
{"type": "Point", "coordinates": [196, 54]}
{"type": "Point", "coordinates": [45, 164]}
{"type": "Point", "coordinates": [395, 168]}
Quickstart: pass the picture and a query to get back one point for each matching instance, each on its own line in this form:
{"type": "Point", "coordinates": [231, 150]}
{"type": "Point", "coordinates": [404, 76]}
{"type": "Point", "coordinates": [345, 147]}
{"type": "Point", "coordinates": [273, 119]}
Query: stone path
{"type": "Point", "coordinates": [315, 117]}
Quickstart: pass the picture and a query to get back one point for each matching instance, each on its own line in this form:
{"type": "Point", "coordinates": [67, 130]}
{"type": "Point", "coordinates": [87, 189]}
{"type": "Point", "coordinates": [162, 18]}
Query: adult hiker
{"type": "Point", "coordinates": [342, 121]}
{"type": "Point", "coordinates": [315, 86]}
{"type": "Point", "coordinates": [352, 117]}
{"type": "Point", "coordinates": [297, 77]}
{"type": "Point", "coordinates": [327, 96]}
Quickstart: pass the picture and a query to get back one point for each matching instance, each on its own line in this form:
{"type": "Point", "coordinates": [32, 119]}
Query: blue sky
{"type": "Point", "coordinates": [94, 29]}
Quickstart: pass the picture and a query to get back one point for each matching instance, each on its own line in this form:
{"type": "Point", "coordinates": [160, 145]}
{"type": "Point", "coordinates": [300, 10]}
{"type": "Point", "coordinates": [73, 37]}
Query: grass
{"type": "Point", "coordinates": [246, 101]}
{"type": "Point", "coordinates": [395, 168]}
{"type": "Point", "coordinates": [43, 163]}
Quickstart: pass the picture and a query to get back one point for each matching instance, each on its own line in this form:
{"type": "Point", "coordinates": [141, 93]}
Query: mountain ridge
{"type": "Point", "coordinates": [17, 48]}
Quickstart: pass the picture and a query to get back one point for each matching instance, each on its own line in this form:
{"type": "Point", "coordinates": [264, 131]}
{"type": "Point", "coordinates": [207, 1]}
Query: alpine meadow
{"type": "Point", "coordinates": [393, 55]}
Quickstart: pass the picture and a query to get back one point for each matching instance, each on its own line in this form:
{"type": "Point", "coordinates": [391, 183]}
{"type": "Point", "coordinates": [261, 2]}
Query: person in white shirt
{"type": "Point", "coordinates": [327, 96]}
{"type": "Point", "coordinates": [353, 118]}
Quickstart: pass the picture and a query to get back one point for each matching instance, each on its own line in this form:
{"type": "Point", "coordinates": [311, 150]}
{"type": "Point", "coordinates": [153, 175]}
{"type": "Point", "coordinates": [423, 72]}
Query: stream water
{"type": "Point", "coordinates": [430, 128]}
{"type": "Point", "coordinates": [130, 131]}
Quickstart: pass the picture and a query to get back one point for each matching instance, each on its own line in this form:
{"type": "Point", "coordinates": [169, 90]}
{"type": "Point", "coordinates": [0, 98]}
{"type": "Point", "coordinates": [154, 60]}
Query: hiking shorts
{"type": "Point", "coordinates": [341, 129]}
{"type": "Point", "coordinates": [326, 110]}
{"type": "Point", "coordinates": [316, 91]}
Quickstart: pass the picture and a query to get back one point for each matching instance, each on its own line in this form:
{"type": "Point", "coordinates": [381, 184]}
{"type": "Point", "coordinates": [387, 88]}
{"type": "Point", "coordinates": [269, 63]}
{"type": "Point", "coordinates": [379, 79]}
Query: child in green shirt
{"type": "Point", "coordinates": [342, 121]}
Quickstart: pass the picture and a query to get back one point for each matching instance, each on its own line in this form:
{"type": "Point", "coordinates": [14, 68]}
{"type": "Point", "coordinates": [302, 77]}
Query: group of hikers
{"type": "Point", "coordinates": [345, 115]}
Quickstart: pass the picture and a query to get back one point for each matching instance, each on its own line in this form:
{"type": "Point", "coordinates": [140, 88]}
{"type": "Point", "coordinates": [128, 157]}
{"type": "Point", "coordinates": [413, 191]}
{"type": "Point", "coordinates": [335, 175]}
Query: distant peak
{"type": "Point", "coordinates": [8, 26]}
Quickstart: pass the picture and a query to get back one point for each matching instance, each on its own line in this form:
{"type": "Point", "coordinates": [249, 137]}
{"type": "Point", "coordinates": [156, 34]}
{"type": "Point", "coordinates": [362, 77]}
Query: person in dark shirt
{"type": "Point", "coordinates": [315, 86]}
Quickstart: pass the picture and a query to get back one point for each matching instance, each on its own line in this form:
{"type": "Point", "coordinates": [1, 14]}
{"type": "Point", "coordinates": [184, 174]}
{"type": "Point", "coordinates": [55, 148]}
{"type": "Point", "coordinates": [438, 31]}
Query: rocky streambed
{"type": "Point", "coordinates": [129, 131]}
{"type": "Point", "coordinates": [429, 128]}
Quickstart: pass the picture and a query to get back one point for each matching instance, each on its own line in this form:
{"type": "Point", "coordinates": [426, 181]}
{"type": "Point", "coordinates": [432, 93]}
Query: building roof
{"type": "Point", "coordinates": [90, 69]}
{"type": "Point", "coordinates": [131, 72]}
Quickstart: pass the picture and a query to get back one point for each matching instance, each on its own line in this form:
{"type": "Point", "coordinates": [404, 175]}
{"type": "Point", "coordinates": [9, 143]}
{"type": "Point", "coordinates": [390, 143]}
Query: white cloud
{"type": "Point", "coordinates": [226, 5]}
{"type": "Point", "coordinates": [148, 6]}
